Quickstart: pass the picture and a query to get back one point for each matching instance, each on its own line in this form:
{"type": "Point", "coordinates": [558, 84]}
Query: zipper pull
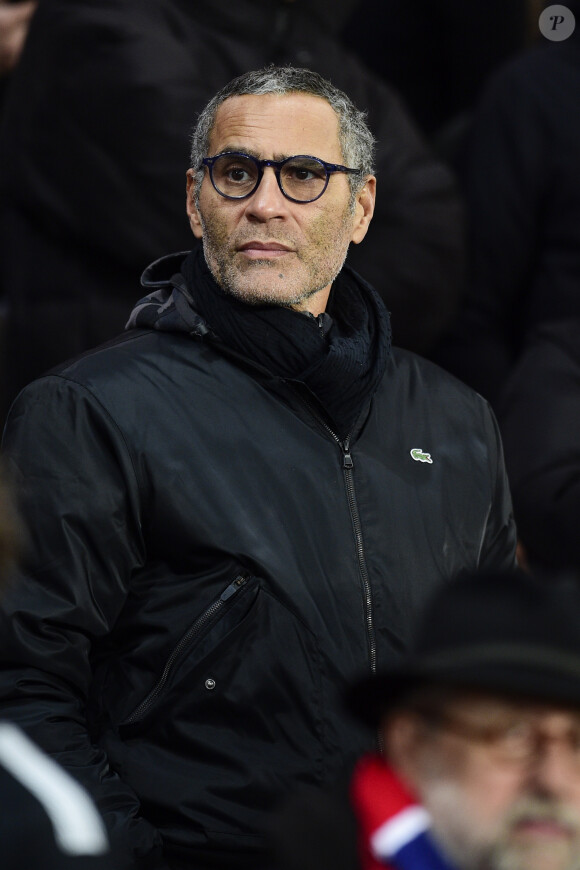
{"type": "Point", "coordinates": [233, 587]}
{"type": "Point", "coordinates": [324, 322]}
{"type": "Point", "coordinates": [346, 458]}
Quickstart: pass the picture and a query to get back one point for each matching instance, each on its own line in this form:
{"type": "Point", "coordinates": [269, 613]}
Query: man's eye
{"type": "Point", "coordinates": [304, 172]}
{"type": "Point", "coordinates": [237, 174]}
{"type": "Point", "coordinates": [301, 174]}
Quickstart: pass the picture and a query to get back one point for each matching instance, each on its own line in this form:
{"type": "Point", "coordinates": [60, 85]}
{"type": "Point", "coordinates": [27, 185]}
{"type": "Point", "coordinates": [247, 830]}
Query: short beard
{"type": "Point", "coordinates": [228, 281]}
{"type": "Point", "coordinates": [470, 848]}
{"type": "Point", "coordinates": [454, 828]}
{"type": "Point", "coordinates": [508, 854]}
{"type": "Point", "coordinates": [321, 274]}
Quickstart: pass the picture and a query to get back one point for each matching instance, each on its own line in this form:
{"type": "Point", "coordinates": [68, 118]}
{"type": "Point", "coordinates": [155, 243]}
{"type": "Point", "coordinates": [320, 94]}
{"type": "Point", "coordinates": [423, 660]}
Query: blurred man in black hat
{"type": "Point", "coordinates": [480, 729]}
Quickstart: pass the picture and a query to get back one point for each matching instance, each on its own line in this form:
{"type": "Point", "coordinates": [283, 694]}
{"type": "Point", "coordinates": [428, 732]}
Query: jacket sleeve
{"type": "Point", "coordinates": [84, 542]}
{"type": "Point", "coordinates": [499, 539]}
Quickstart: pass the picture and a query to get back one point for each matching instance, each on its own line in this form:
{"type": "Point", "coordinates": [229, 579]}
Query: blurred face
{"type": "Point", "coordinates": [266, 248]}
{"type": "Point", "coordinates": [501, 781]}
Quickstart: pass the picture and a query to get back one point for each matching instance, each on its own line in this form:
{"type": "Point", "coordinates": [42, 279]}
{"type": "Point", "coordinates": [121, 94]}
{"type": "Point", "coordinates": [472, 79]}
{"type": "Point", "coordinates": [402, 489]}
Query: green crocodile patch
{"type": "Point", "coordinates": [419, 456]}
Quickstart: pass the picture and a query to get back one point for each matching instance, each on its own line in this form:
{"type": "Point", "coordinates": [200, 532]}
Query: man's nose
{"type": "Point", "coordinates": [267, 201]}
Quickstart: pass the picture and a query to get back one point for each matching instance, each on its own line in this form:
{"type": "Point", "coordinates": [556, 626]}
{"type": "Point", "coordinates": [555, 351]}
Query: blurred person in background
{"type": "Point", "coordinates": [438, 54]}
{"type": "Point", "coordinates": [515, 339]}
{"type": "Point", "coordinates": [14, 24]}
{"type": "Point", "coordinates": [480, 729]}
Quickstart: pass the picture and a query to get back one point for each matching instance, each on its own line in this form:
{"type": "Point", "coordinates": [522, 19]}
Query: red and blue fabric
{"type": "Point", "coordinates": [394, 827]}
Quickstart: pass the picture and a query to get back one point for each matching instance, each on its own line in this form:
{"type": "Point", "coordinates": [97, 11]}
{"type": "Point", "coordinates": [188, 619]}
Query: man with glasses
{"type": "Point", "coordinates": [240, 503]}
{"type": "Point", "coordinates": [480, 725]}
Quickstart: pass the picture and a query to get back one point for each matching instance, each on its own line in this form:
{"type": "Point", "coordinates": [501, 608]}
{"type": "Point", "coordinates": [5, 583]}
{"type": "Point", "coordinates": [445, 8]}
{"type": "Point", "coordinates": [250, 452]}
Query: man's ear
{"type": "Point", "coordinates": [191, 206]}
{"type": "Point", "coordinates": [364, 209]}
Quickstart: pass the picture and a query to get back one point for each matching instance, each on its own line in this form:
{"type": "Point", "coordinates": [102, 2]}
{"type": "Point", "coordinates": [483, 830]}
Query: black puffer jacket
{"type": "Point", "coordinates": [210, 565]}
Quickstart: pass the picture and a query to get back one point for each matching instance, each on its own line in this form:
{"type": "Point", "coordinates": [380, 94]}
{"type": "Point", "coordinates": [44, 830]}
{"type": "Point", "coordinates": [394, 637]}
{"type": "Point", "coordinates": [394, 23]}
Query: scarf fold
{"type": "Point", "coordinates": [394, 827]}
{"type": "Point", "coordinates": [340, 356]}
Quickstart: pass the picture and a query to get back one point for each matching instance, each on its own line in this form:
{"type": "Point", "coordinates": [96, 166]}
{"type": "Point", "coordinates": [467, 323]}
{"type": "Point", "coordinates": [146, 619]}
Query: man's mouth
{"type": "Point", "coordinates": [255, 250]}
{"type": "Point", "coordinates": [542, 828]}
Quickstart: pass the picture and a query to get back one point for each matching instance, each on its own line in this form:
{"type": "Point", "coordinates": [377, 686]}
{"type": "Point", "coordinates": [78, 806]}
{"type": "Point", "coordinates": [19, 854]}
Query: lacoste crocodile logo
{"type": "Point", "coordinates": [419, 456]}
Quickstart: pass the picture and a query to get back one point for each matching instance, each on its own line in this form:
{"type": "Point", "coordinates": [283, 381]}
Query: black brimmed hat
{"type": "Point", "coordinates": [508, 633]}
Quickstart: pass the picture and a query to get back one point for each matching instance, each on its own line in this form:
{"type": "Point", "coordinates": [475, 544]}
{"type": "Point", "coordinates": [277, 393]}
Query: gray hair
{"type": "Point", "coordinates": [357, 143]}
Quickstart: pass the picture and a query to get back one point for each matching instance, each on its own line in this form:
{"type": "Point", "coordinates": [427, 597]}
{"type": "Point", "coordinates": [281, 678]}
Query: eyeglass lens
{"type": "Point", "coordinates": [301, 178]}
{"type": "Point", "coordinates": [516, 738]}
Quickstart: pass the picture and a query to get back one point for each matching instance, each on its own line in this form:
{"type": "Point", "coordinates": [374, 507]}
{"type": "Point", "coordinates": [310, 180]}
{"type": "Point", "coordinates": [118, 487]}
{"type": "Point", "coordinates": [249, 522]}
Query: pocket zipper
{"type": "Point", "coordinates": [200, 623]}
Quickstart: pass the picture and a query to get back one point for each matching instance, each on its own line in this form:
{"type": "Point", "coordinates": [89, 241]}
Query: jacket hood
{"type": "Point", "coordinates": [169, 306]}
{"type": "Point", "coordinates": [159, 273]}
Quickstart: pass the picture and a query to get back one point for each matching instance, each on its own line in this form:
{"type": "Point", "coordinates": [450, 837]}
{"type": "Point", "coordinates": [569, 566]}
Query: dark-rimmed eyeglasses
{"type": "Point", "coordinates": [515, 737]}
{"type": "Point", "coordinates": [302, 178]}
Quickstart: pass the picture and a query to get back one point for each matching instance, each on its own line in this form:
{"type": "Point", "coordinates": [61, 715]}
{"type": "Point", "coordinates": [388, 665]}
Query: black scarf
{"type": "Point", "coordinates": [340, 357]}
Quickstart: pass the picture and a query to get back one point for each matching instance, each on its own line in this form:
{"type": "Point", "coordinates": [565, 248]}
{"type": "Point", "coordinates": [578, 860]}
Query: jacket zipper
{"type": "Point", "coordinates": [348, 466]}
{"type": "Point", "coordinates": [188, 638]}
